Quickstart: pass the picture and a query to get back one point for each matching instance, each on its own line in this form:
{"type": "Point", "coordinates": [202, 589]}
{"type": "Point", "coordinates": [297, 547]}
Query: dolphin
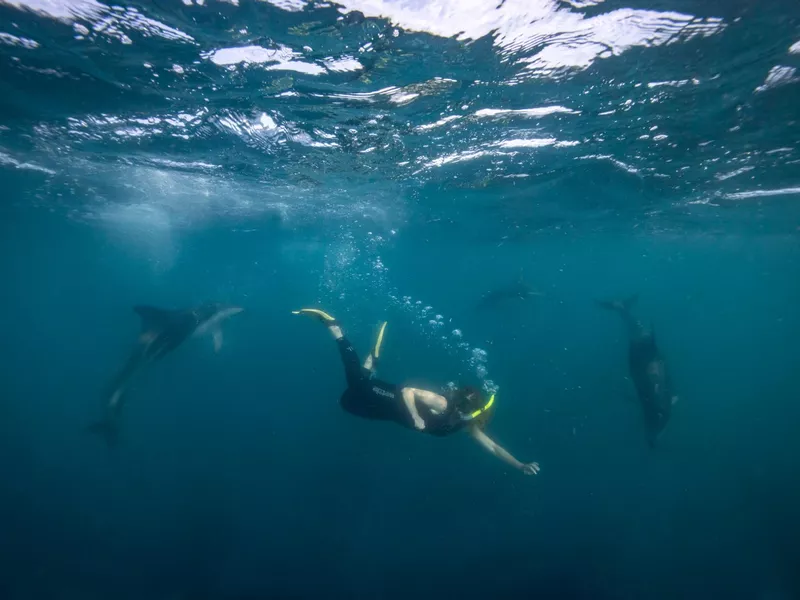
{"type": "Point", "coordinates": [162, 332]}
{"type": "Point", "coordinates": [648, 369]}
{"type": "Point", "coordinates": [518, 290]}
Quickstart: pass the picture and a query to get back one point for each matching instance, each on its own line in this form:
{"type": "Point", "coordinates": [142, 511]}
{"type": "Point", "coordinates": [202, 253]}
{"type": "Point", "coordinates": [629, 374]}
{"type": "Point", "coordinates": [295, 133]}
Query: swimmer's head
{"type": "Point", "coordinates": [468, 400]}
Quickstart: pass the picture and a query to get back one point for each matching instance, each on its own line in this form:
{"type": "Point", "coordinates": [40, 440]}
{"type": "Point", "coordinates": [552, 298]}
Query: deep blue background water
{"type": "Point", "coordinates": [238, 476]}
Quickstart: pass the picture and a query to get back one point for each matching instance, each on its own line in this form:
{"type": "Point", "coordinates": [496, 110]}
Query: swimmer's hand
{"type": "Point", "coordinates": [531, 468]}
{"type": "Point", "coordinates": [409, 399]}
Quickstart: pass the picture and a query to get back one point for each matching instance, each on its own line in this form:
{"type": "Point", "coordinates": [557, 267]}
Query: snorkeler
{"type": "Point", "coordinates": [370, 398]}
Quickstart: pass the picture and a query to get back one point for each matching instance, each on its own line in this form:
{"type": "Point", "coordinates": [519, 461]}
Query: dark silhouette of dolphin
{"type": "Point", "coordinates": [518, 290]}
{"type": "Point", "coordinates": [162, 332]}
{"type": "Point", "coordinates": [648, 369]}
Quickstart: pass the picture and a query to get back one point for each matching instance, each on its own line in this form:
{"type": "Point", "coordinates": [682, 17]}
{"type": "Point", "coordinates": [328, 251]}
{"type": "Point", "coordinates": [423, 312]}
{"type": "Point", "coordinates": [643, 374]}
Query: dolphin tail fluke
{"type": "Point", "coordinates": [609, 304]}
{"type": "Point", "coordinates": [620, 306]}
{"type": "Point", "coordinates": [108, 428]}
{"type": "Point", "coordinates": [630, 301]}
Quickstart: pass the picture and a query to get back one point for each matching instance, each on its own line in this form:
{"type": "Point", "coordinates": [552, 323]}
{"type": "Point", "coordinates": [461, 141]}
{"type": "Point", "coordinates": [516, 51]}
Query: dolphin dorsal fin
{"type": "Point", "coordinates": [153, 319]}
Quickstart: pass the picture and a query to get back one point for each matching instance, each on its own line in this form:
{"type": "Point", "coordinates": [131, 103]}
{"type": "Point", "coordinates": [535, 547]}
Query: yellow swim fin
{"type": "Point", "coordinates": [379, 341]}
{"type": "Point", "coordinates": [314, 312]}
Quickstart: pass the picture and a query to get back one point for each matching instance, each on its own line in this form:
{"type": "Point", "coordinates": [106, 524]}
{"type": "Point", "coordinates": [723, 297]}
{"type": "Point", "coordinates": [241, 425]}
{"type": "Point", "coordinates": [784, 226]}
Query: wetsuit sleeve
{"type": "Point", "coordinates": [353, 371]}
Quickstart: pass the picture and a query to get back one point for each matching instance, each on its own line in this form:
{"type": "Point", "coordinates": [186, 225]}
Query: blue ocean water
{"type": "Point", "coordinates": [398, 160]}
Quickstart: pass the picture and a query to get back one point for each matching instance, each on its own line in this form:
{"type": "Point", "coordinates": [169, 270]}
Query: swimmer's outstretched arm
{"type": "Point", "coordinates": [501, 453]}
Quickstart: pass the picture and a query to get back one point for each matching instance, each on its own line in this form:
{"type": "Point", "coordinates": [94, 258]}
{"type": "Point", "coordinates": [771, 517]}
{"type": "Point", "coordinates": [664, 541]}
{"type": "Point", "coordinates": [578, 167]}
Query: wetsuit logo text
{"type": "Point", "coordinates": [382, 392]}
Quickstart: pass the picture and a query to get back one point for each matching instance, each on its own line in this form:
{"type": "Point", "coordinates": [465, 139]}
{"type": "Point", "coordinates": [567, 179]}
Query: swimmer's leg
{"type": "Point", "coordinates": [352, 365]}
{"type": "Point", "coordinates": [371, 362]}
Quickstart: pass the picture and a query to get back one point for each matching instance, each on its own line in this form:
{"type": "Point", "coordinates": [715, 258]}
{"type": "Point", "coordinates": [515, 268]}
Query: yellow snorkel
{"type": "Point", "coordinates": [477, 413]}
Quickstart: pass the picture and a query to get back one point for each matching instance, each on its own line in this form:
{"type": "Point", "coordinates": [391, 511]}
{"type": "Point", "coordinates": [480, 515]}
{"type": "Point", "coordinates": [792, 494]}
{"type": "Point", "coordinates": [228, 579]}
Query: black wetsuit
{"type": "Point", "coordinates": [375, 399]}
